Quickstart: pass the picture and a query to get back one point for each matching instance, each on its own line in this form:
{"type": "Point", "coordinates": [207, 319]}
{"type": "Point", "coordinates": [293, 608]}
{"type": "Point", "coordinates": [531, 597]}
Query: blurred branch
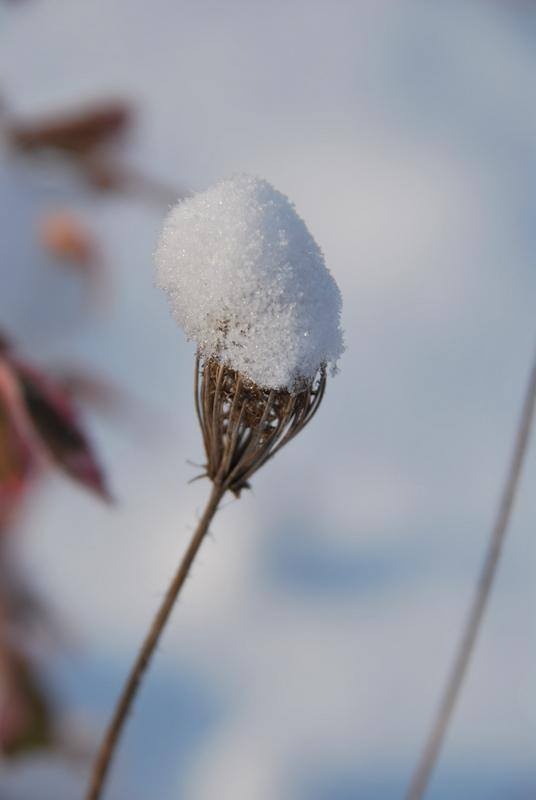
{"type": "Point", "coordinates": [78, 132]}
{"type": "Point", "coordinates": [108, 176]}
{"type": "Point", "coordinates": [83, 138]}
{"type": "Point", "coordinates": [430, 753]}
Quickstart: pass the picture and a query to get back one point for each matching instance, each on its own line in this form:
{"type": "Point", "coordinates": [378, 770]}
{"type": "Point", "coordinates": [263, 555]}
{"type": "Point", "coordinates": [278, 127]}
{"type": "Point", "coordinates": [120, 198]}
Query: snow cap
{"type": "Point", "coordinates": [246, 280]}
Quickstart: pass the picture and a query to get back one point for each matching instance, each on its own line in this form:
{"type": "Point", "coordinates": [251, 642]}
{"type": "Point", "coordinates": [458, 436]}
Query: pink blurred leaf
{"type": "Point", "coordinates": [55, 420]}
{"type": "Point", "coordinates": [15, 471]}
{"type": "Point", "coordinates": [40, 417]}
{"type": "Point", "coordinates": [25, 711]}
{"type": "Point", "coordinates": [19, 447]}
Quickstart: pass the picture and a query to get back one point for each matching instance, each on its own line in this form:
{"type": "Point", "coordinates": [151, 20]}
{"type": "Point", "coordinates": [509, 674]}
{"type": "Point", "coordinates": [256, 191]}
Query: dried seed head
{"type": "Point", "coordinates": [246, 280]}
{"type": "Point", "coordinates": [243, 424]}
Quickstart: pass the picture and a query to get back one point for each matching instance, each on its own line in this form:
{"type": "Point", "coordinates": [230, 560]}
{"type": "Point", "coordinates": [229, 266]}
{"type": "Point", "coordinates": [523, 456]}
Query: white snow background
{"type": "Point", "coordinates": [306, 656]}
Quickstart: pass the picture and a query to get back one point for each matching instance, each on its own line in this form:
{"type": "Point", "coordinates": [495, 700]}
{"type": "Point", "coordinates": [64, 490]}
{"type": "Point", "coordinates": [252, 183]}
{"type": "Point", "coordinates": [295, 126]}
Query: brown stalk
{"type": "Point", "coordinates": [111, 738]}
{"type": "Point", "coordinates": [431, 750]}
{"type": "Point", "coordinates": [243, 425]}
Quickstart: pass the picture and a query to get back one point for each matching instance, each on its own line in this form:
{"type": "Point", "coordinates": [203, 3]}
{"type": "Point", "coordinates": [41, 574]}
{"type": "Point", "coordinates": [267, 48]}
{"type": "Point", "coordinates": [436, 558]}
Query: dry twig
{"type": "Point", "coordinates": [430, 753]}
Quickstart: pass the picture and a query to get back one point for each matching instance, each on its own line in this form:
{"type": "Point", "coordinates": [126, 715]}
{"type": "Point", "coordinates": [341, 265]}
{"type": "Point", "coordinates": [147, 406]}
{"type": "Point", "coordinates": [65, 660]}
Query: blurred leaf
{"type": "Point", "coordinates": [77, 133]}
{"type": "Point", "coordinates": [4, 342]}
{"type": "Point", "coordinates": [15, 468]}
{"type": "Point", "coordinates": [16, 452]}
{"type": "Point", "coordinates": [41, 414]}
{"type": "Point", "coordinates": [65, 237]}
{"type": "Point", "coordinates": [25, 711]}
{"type": "Point", "coordinates": [55, 421]}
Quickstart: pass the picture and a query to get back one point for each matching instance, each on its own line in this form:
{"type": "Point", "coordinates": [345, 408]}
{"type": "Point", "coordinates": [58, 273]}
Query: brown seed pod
{"type": "Point", "coordinates": [243, 424]}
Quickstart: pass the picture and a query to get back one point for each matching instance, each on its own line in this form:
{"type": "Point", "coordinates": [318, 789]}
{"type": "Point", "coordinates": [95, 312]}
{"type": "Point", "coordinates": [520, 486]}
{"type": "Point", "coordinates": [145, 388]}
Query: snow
{"type": "Point", "coordinates": [248, 283]}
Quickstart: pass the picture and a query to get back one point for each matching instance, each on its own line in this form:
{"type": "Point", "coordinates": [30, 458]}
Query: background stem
{"type": "Point", "coordinates": [111, 738]}
{"type": "Point", "coordinates": [430, 753]}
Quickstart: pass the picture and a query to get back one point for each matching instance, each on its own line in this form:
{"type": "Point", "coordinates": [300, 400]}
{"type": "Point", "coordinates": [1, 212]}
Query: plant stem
{"type": "Point", "coordinates": [111, 738]}
{"type": "Point", "coordinates": [430, 753]}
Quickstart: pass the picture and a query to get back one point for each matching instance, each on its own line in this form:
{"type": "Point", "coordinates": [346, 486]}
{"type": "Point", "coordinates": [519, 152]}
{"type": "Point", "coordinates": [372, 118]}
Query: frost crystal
{"type": "Point", "coordinates": [249, 284]}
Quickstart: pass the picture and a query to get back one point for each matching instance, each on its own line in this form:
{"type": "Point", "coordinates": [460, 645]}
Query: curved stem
{"type": "Point", "coordinates": [430, 753]}
{"type": "Point", "coordinates": [111, 738]}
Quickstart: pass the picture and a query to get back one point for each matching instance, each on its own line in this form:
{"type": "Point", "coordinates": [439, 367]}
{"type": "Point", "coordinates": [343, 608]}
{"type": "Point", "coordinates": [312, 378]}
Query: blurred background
{"type": "Point", "coordinates": [307, 654]}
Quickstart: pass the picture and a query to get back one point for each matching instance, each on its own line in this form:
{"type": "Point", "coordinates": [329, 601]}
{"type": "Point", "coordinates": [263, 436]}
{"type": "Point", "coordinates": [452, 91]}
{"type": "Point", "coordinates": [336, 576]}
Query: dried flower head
{"type": "Point", "coordinates": [243, 424]}
{"type": "Point", "coordinates": [249, 284]}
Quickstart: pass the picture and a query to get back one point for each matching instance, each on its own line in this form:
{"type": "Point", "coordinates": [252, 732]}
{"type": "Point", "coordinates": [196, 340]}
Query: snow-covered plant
{"type": "Point", "coordinates": [248, 283]}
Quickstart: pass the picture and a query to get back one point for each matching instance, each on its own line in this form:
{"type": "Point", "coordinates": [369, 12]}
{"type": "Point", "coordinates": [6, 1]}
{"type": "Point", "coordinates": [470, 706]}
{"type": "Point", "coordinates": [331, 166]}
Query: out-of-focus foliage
{"type": "Point", "coordinates": [40, 425]}
{"type": "Point", "coordinates": [85, 139]}
{"type": "Point", "coordinates": [64, 236]}
{"type": "Point", "coordinates": [79, 133]}
{"type": "Point", "coordinates": [82, 137]}
{"type": "Point", "coordinates": [26, 719]}
{"type": "Point", "coordinates": [14, 470]}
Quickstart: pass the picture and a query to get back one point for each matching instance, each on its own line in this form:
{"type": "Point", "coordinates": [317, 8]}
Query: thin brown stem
{"type": "Point", "coordinates": [111, 738]}
{"type": "Point", "coordinates": [430, 753]}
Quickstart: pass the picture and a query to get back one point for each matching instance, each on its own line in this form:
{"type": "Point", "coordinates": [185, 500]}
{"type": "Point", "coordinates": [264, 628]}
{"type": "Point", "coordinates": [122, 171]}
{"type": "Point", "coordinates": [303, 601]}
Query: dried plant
{"type": "Point", "coordinates": [244, 425]}
{"type": "Point", "coordinates": [281, 322]}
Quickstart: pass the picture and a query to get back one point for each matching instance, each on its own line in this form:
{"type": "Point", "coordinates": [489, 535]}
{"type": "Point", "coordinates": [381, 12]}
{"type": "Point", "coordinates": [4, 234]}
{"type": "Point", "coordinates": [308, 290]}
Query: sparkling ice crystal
{"type": "Point", "coordinates": [246, 281]}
